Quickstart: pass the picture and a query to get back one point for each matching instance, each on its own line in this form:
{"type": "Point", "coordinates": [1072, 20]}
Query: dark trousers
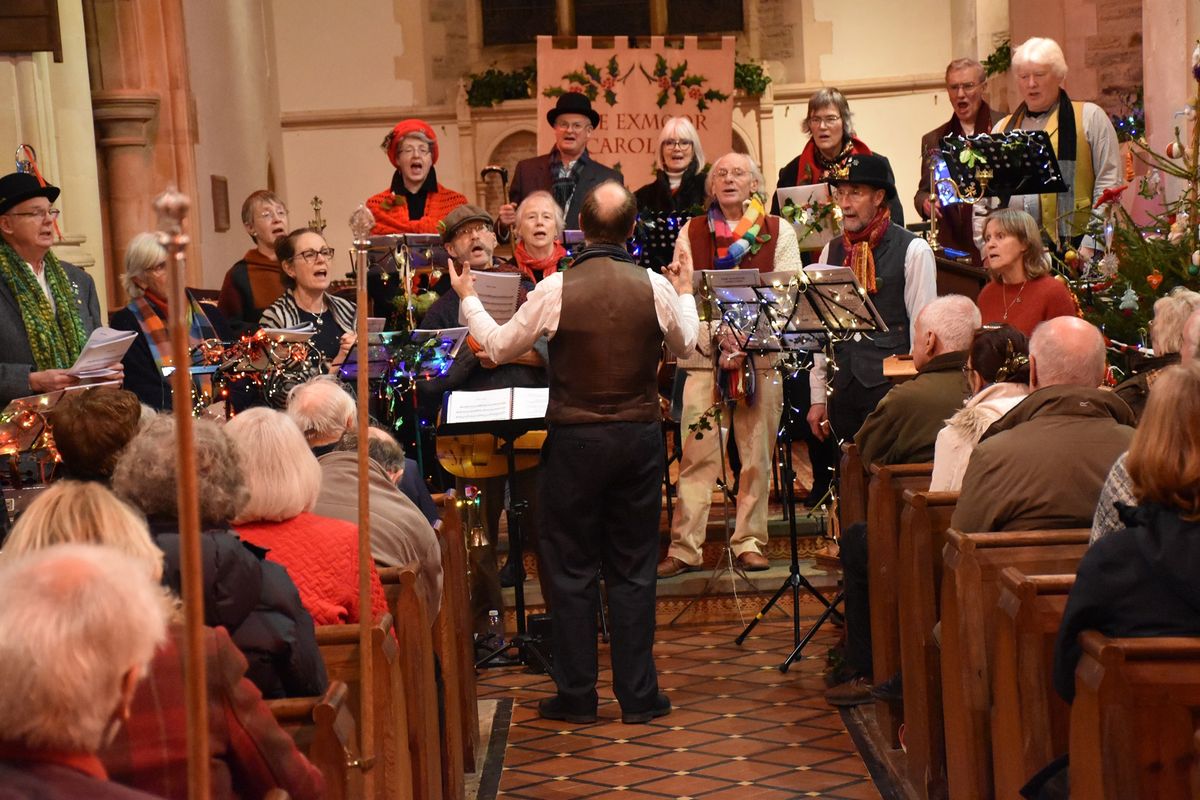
{"type": "Point", "coordinates": [850, 405]}
{"type": "Point", "coordinates": [858, 599]}
{"type": "Point", "coordinates": [601, 496]}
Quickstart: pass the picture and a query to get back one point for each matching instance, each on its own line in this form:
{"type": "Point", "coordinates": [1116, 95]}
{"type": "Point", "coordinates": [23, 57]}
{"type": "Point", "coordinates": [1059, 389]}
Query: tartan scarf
{"type": "Point", "coordinates": [815, 168]}
{"type": "Point", "coordinates": [538, 268]}
{"type": "Point", "coordinates": [152, 315]}
{"type": "Point", "coordinates": [56, 336]}
{"type": "Point", "coordinates": [859, 248]}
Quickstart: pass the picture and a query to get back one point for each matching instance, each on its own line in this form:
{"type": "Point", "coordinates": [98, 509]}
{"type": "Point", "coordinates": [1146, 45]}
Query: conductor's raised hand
{"type": "Point", "coordinates": [461, 278]}
{"type": "Point", "coordinates": [679, 272]}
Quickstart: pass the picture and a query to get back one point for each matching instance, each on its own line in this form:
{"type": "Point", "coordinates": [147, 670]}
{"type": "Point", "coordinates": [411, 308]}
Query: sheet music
{"type": "Point", "coordinates": [726, 277]}
{"type": "Point", "coordinates": [530, 403]}
{"type": "Point", "coordinates": [297, 333]}
{"type": "Point", "coordinates": [484, 406]}
{"type": "Point", "coordinates": [105, 347]}
{"type": "Point", "coordinates": [498, 293]}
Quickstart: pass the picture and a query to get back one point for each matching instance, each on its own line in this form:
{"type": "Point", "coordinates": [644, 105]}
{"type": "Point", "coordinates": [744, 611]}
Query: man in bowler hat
{"type": "Point", "coordinates": [568, 171]}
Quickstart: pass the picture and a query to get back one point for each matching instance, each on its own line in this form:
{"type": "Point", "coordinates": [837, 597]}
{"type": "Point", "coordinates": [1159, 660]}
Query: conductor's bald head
{"type": "Point", "coordinates": [608, 214]}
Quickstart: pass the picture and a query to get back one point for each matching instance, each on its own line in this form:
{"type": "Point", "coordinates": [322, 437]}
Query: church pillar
{"type": "Point", "coordinates": [1169, 32]}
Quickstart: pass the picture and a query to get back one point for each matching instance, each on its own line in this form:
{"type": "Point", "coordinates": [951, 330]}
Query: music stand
{"type": "Point", "coordinates": [1002, 164]}
{"type": "Point", "coordinates": [654, 237]}
{"type": "Point", "coordinates": [821, 303]}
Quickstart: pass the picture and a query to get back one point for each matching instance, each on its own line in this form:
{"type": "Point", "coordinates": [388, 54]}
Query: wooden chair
{"type": "Point", "coordinates": [923, 525]}
{"type": "Point", "coordinates": [852, 487]}
{"type": "Point", "coordinates": [1133, 722]}
{"type": "Point", "coordinates": [970, 590]}
{"type": "Point", "coordinates": [339, 644]}
{"type": "Point", "coordinates": [1029, 719]}
{"type": "Point", "coordinates": [419, 684]}
{"type": "Point", "coordinates": [884, 495]}
{"type": "Point", "coordinates": [325, 731]}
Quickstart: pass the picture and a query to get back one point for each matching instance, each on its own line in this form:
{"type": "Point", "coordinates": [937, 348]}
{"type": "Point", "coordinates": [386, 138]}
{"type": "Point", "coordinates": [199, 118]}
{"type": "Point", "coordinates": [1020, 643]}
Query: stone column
{"type": "Point", "coordinates": [1169, 31]}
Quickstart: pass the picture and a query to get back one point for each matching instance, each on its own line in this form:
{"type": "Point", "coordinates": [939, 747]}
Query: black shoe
{"type": "Point", "coordinates": [555, 708]}
{"type": "Point", "coordinates": [509, 574]}
{"type": "Point", "coordinates": [891, 690]}
{"type": "Point", "coordinates": [661, 707]}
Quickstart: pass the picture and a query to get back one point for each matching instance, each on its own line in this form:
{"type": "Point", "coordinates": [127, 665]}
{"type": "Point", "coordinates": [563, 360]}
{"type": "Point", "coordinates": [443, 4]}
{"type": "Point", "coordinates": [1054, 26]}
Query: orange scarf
{"type": "Point", "coordinates": [537, 269]}
{"type": "Point", "coordinates": [860, 248]}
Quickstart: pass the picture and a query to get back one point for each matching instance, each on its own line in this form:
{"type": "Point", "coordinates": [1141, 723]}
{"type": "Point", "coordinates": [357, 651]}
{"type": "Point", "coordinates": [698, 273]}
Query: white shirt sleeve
{"type": "Point", "coordinates": [538, 316]}
{"type": "Point", "coordinates": [677, 317]}
{"type": "Point", "coordinates": [920, 281]}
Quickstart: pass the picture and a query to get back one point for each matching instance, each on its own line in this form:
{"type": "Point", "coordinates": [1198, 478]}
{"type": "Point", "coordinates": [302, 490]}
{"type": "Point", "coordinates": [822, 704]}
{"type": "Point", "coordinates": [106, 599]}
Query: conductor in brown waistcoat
{"type": "Point", "coordinates": [599, 488]}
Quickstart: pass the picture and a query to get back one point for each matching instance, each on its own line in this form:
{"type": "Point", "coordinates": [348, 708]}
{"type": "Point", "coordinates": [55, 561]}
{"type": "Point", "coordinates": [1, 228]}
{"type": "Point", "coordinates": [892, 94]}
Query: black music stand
{"type": "Point", "coordinates": [1016, 162]}
{"type": "Point", "coordinates": [528, 649]}
{"type": "Point", "coordinates": [826, 304]}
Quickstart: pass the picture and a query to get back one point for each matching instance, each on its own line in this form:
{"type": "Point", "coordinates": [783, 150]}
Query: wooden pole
{"type": "Point", "coordinates": [172, 207]}
{"type": "Point", "coordinates": [361, 223]}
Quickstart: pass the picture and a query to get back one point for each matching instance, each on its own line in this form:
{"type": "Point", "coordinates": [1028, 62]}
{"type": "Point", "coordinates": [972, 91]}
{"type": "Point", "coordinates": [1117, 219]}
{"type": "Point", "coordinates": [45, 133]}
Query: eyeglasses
{"type": "Point", "coordinates": [309, 256]}
{"type": "Point", "coordinates": [955, 88]}
{"type": "Point", "coordinates": [851, 192]}
{"type": "Point", "coordinates": [737, 173]}
{"type": "Point", "coordinates": [472, 229]}
{"type": "Point", "coordinates": [824, 122]}
{"type": "Point", "coordinates": [52, 213]}
{"type": "Point", "coordinates": [573, 127]}
{"type": "Point", "coordinates": [273, 213]}
{"type": "Point", "coordinates": [682, 144]}
{"type": "Point", "coordinates": [415, 151]}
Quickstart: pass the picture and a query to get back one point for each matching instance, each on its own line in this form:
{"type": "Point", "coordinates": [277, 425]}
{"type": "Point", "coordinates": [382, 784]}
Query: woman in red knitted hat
{"type": "Point", "coordinates": [416, 202]}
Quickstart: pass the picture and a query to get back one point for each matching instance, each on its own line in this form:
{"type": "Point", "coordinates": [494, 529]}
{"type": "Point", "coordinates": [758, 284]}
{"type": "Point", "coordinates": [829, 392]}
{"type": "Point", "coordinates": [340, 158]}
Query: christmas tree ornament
{"type": "Point", "coordinates": [1175, 149]}
{"type": "Point", "coordinates": [1196, 258]}
{"type": "Point", "coordinates": [1129, 300]}
{"type": "Point", "coordinates": [1071, 257]}
{"type": "Point", "coordinates": [1108, 265]}
{"type": "Point", "coordinates": [1155, 279]}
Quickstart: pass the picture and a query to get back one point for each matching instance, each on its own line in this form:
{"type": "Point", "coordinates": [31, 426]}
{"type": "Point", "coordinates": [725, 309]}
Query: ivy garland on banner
{"type": "Point", "coordinates": [591, 81]}
{"type": "Point", "coordinates": [678, 82]}
{"type": "Point", "coordinates": [1147, 261]}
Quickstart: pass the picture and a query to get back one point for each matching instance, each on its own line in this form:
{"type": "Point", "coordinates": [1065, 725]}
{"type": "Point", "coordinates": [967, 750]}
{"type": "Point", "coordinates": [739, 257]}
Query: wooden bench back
{"type": "Point", "coordinates": [970, 590]}
{"type": "Point", "coordinates": [1134, 719]}
{"type": "Point", "coordinates": [923, 525]}
{"type": "Point", "coordinates": [453, 640]}
{"type": "Point", "coordinates": [325, 730]}
{"type": "Point", "coordinates": [1029, 720]}
{"type": "Point", "coordinates": [852, 487]}
{"type": "Point", "coordinates": [415, 639]}
{"type": "Point", "coordinates": [884, 498]}
{"type": "Point", "coordinates": [392, 768]}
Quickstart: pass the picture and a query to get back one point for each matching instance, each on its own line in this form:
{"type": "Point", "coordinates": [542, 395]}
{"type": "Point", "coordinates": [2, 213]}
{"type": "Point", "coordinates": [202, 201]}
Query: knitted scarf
{"type": "Point", "coordinates": [564, 185]}
{"type": "Point", "coordinates": [859, 248]}
{"type": "Point", "coordinates": [152, 315]}
{"type": "Point", "coordinates": [538, 268]}
{"type": "Point", "coordinates": [814, 167]}
{"type": "Point", "coordinates": [56, 336]}
{"type": "Point", "coordinates": [734, 245]}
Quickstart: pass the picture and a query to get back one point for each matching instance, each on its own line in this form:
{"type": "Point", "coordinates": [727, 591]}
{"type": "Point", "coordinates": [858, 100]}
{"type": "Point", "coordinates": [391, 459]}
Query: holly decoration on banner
{"type": "Point", "coordinates": [1143, 262]}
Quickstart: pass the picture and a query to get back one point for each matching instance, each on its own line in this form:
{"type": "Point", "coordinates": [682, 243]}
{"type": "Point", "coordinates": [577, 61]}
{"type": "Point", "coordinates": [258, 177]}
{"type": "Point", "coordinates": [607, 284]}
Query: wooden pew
{"type": "Point", "coordinates": [970, 590]}
{"type": "Point", "coordinates": [415, 639]}
{"type": "Point", "coordinates": [884, 495]}
{"type": "Point", "coordinates": [923, 525]}
{"type": "Point", "coordinates": [1029, 720]}
{"type": "Point", "coordinates": [1133, 721]}
{"type": "Point", "coordinates": [452, 637]}
{"type": "Point", "coordinates": [324, 729]}
{"type": "Point", "coordinates": [339, 644]}
{"type": "Point", "coordinates": [852, 487]}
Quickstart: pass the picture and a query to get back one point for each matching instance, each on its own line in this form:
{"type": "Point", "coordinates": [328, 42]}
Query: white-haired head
{"type": "Point", "coordinates": [1066, 351]}
{"type": "Point", "coordinates": [282, 475]}
{"type": "Point", "coordinates": [322, 409]}
{"type": "Point", "coordinates": [946, 324]}
{"type": "Point", "coordinates": [1170, 314]}
{"type": "Point", "coordinates": [1041, 51]}
{"type": "Point", "coordinates": [78, 627]}
{"type": "Point", "coordinates": [1190, 349]}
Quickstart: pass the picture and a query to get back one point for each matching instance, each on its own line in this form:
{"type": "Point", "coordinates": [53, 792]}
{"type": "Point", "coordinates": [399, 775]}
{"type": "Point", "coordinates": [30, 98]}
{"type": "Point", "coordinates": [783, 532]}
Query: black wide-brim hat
{"type": "Point", "coordinates": [573, 103]}
{"type": "Point", "coordinates": [868, 170]}
{"type": "Point", "coordinates": [17, 187]}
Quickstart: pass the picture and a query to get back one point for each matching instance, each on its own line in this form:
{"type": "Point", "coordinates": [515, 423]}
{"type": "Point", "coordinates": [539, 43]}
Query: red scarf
{"type": "Point", "coordinates": [537, 269]}
{"type": "Point", "coordinates": [815, 168]}
{"type": "Point", "coordinates": [860, 247]}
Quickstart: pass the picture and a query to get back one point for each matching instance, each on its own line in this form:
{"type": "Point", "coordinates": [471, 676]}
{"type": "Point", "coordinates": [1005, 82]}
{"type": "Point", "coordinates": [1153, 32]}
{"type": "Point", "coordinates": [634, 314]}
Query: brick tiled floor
{"type": "Point", "coordinates": [740, 729]}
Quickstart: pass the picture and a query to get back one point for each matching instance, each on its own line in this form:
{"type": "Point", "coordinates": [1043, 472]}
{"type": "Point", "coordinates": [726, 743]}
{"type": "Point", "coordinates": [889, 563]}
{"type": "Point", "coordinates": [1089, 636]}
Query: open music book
{"type": "Point", "coordinates": [496, 405]}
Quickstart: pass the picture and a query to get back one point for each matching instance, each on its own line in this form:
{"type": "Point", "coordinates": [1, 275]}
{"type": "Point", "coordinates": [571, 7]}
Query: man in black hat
{"type": "Point", "coordinates": [897, 270]}
{"type": "Point", "coordinates": [567, 171]}
{"type": "Point", "coordinates": [48, 307]}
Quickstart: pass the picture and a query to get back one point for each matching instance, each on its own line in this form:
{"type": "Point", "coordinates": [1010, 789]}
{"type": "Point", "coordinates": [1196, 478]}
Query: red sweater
{"type": "Point", "coordinates": [1039, 300]}
{"type": "Point", "coordinates": [321, 556]}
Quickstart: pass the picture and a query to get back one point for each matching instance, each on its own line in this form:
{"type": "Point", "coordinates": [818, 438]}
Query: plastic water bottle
{"type": "Point", "coordinates": [495, 628]}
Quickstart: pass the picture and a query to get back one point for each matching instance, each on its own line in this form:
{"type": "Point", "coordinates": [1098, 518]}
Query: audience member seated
{"type": "Point", "coordinates": [1142, 581]}
{"type": "Point", "coordinates": [400, 534]}
{"type": "Point", "coordinates": [1166, 339]}
{"type": "Point", "coordinates": [679, 172]}
{"type": "Point", "coordinates": [391, 457]}
{"type": "Point", "coordinates": [250, 753]}
{"type": "Point", "coordinates": [283, 479]}
{"type": "Point", "coordinates": [1118, 491]}
{"type": "Point", "coordinates": [254, 283]}
{"type": "Point", "coordinates": [78, 627]}
{"type": "Point", "coordinates": [538, 252]}
{"type": "Point", "coordinates": [1084, 140]}
{"type": "Point", "coordinates": [91, 427]}
{"type": "Point", "coordinates": [997, 371]}
{"type": "Point", "coordinates": [1021, 292]}
{"type": "Point", "coordinates": [145, 281]}
{"type": "Point", "coordinates": [831, 143]}
{"type": "Point", "coordinates": [306, 261]}
{"type": "Point", "coordinates": [254, 599]}
{"type": "Point", "coordinates": [902, 430]}
{"type": "Point", "coordinates": [1042, 464]}
{"type": "Point", "coordinates": [415, 202]}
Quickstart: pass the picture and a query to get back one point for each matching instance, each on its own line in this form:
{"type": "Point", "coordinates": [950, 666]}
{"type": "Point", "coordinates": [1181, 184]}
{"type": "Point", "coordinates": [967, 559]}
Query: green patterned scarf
{"type": "Point", "coordinates": [55, 337]}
